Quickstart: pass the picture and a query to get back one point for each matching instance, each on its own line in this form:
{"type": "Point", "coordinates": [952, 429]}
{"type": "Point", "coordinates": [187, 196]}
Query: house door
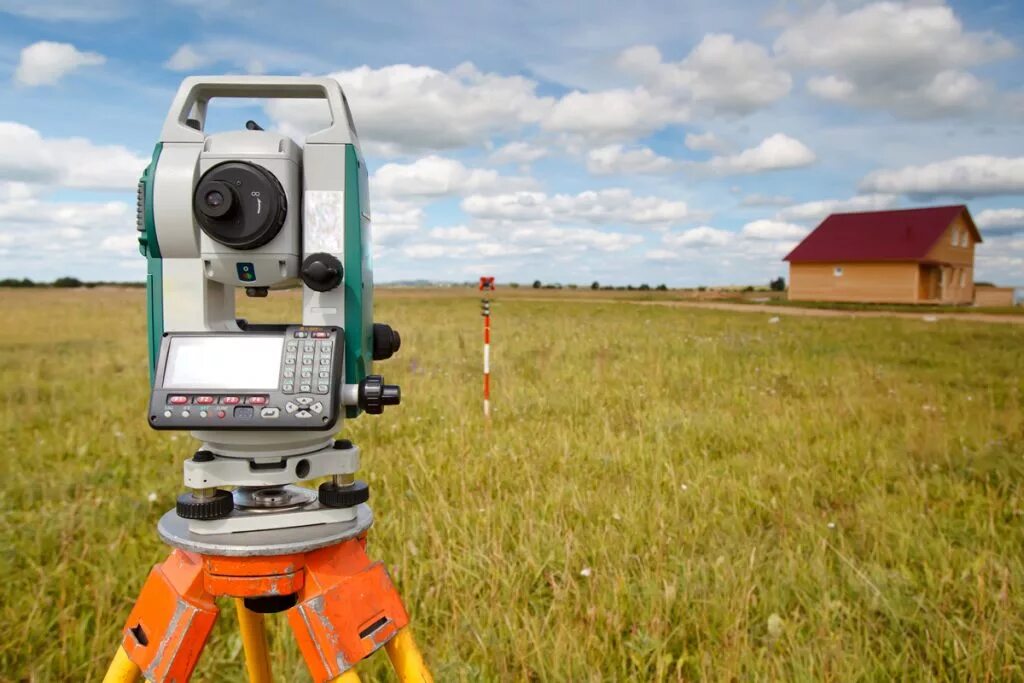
{"type": "Point", "coordinates": [931, 277]}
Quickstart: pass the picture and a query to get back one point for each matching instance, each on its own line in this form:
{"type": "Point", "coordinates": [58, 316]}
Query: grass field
{"type": "Point", "coordinates": [664, 493]}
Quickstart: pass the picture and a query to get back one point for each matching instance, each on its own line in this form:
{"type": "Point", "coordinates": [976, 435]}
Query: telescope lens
{"type": "Point", "coordinates": [239, 204]}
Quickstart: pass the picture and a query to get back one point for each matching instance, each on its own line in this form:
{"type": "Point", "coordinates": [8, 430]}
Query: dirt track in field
{"type": "Point", "coordinates": [813, 312]}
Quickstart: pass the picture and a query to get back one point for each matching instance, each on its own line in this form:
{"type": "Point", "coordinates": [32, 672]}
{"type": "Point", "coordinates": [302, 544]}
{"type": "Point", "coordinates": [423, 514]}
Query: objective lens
{"type": "Point", "coordinates": [214, 198]}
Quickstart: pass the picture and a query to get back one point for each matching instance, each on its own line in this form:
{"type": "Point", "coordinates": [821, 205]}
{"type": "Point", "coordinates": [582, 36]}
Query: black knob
{"type": "Point", "coordinates": [219, 505]}
{"type": "Point", "coordinates": [374, 394]}
{"type": "Point", "coordinates": [334, 496]}
{"type": "Point", "coordinates": [386, 341]}
{"type": "Point", "coordinates": [203, 456]}
{"type": "Point", "coordinates": [322, 272]}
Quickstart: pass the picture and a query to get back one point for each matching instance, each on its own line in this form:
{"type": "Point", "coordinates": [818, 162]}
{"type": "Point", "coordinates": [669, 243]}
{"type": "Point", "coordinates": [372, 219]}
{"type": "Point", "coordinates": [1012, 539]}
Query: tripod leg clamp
{"type": "Point", "coordinates": [171, 620]}
{"type": "Point", "coordinates": [347, 609]}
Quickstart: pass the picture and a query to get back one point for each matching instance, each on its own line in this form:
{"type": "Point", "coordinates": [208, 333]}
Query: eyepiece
{"type": "Point", "coordinates": [215, 200]}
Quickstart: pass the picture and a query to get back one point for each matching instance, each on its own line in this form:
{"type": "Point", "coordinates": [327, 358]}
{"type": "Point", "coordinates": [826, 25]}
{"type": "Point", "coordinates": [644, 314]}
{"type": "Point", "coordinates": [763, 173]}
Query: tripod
{"type": "Point", "coordinates": [341, 606]}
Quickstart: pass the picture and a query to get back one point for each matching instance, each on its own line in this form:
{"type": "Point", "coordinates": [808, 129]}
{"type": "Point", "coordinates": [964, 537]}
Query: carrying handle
{"type": "Point", "coordinates": [195, 93]}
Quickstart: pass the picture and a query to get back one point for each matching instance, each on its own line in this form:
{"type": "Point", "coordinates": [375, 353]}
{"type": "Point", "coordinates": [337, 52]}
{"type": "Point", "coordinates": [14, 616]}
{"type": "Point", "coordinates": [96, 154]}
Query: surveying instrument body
{"type": "Point", "coordinates": [252, 209]}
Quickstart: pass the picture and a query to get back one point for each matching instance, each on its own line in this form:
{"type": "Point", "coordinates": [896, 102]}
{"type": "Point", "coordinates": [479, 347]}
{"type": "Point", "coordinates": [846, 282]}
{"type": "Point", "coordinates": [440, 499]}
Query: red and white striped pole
{"type": "Point", "coordinates": [487, 284]}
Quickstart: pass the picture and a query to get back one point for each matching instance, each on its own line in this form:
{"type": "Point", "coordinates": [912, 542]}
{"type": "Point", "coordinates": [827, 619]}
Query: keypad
{"type": "Point", "coordinates": [306, 353]}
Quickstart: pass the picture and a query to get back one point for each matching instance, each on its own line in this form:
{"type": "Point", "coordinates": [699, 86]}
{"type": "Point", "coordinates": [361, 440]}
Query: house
{"type": "Point", "coordinates": [990, 295]}
{"type": "Point", "coordinates": [903, 256]}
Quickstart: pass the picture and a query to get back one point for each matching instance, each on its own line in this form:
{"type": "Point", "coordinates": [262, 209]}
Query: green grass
{"type": "Point", "coordinates": [817, 499]}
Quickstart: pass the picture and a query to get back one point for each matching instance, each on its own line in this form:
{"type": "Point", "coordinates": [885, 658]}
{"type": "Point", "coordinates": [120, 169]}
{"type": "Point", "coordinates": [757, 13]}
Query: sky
{"type": "Point", "coordinates": [685, 143]}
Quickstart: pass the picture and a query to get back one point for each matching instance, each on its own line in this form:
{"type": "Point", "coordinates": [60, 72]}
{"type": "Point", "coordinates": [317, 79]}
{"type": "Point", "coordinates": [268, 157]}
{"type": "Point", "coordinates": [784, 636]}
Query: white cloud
{"type": "Point", "coordinates": [1000, 221]}
{"type": "Point", "coordinates": [27, 156]}
{"type": "Point", "coordinates": [776, 152]}
{"type": "Point", "coordinates": [411, 109]}
{"type": "Point", "coordinates": [45, 62]}
{"type": "Point", "coordinates": [185, 58]}
{"type": "Point", "coordinates": [817, 210]}
{"type": "Point", "coordinates": [831, 88]}
{"type": "Point", "coordinates": [393, 226]}
{"type": "Point", "coordinates": [704, 142]}
{"type": "Point", "coordinates": [518, 153]}
{"type": "Point", "coordinates": [765, 229]}
{"type": "Point", "coordinates": [433, 176]}
{"type": "Point", "coordinates": [51, 238]}
{"type": "Point", "coordinates": [909, 58]}
{"type": "Point", "coordinates": [253, 57]}
{"type": "Point", "coordinates": [539, 242]}
{"type": "Point", "coordinates": [748, 255]}
{"type": "Point", "coordinates": [600, 207]}
{"type": "Point", "coordinates": [126, 243]}
{"type": "Point", "coordinates": [720, 74]}
{"type": "Point", "coordinates": [457, 233]}
{"type": "Point", "coordinates": [967, 176]}
{"type": "Point", "coordinates": [616, 115]}
{"type": "Point", "coordinates": [67, 10]}
{"type": "Point", "coordinates": [615, 159]}
{"type": "Point", "coordinates": [702, 236]}
{"type": "Point", "coordinates": [16, 191]}
{"type": "Point", "coordinates": [758, 199]}
{"type": "Point", "coordinates": [1000, 259]}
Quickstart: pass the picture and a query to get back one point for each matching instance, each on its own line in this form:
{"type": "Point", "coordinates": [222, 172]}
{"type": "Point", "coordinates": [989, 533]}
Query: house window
{"type": "Point", "coordinates": [838, 271]}
{"type": "Point", "coordinates": [963, 239]}
{"type": "Point", "coordinates": [955, 236]}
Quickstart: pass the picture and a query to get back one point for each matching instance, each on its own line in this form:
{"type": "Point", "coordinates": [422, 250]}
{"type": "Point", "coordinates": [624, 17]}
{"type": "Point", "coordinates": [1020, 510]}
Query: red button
{"type": "Point", "coordinates": [230, 400]}
{"type": "Point", "coordinates": [256, 400]}
{"type": "Point", "coordinates": [321, 335]}
{"type": "Point", "coordinates": [204, 400]}
{"type": "Point", "coordinates": [221, 413]}
{"type": "Point", "coordinates": [177, 400]}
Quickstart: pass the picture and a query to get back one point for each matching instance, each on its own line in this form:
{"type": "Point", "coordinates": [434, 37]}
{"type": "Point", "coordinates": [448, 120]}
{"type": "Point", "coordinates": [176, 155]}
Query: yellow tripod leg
{"type": "Point", "coordinates": [349, 676]}
{"type": "Point", "coordinates": [254, 643]}
{"type": "Point", "coordinates": [406, 658]}
{"type": "Point", "coordinates": [122, 669]}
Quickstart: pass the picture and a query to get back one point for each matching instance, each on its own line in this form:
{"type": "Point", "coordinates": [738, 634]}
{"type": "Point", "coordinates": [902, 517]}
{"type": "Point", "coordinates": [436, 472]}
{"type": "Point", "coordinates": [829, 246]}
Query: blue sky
{"type": "Point", "coordinates": [679, 142]}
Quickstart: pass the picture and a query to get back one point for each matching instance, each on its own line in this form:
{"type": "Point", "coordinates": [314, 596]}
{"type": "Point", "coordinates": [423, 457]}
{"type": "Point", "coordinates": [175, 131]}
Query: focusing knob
{"type": "Point", "coordinates": [221, 504]}
{"type": "Point", "coordinates": [335, 496]}
{"type": "Point", "coordinates": [322, 272]}
{"type": "Point", "coordinates": [374, 394]}
{"type": "Point", "coordinates": [386, 341]}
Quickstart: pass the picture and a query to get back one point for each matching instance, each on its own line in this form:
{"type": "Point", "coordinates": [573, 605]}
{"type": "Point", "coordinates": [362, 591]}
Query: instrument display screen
{"type": "Point", "coordinates": [236, 362]}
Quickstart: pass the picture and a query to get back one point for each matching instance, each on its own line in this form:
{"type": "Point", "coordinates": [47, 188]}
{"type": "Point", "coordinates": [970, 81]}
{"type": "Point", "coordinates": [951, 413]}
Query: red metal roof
{"type": "Point", "coordinates": [899, 235]}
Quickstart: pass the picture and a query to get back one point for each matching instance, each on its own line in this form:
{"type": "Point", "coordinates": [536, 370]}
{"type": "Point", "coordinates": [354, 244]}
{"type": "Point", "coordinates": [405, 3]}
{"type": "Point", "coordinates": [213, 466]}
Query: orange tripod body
{"type": "Point", "coordinates": [346, 607]}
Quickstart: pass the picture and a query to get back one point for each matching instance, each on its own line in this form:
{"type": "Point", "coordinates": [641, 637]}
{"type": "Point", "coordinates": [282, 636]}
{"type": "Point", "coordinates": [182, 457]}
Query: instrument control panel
{"type": "Point", "coordinates": [276, 378]}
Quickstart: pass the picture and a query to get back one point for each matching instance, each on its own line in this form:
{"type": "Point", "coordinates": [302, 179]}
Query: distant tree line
{"type": "Point", "coordinates": [65, 282]}
{"type": "Point", "coordinates": [776, 285]}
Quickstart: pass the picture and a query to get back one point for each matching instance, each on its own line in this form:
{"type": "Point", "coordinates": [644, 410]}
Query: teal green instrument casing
{"type": "Point", "coordinates": [358, 280]}
{"type": "Point", "coordinates": [150, 248]}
